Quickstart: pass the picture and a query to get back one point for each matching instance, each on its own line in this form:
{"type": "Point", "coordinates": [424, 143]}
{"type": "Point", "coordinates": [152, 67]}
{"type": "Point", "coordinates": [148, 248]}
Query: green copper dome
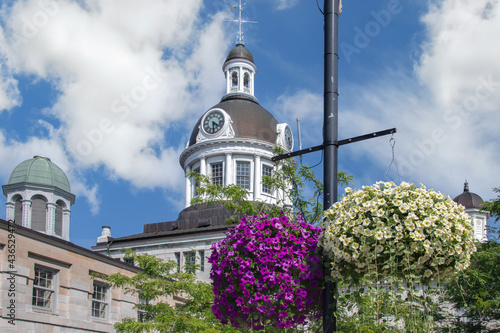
{"type": "Point", "coordinates": [40, 170]}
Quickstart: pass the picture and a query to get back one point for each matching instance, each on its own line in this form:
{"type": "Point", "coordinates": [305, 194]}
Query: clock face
{"type": "Point", "coordinates": [213, 122]}
{"type": "Point", "coordinates": [288, 138]}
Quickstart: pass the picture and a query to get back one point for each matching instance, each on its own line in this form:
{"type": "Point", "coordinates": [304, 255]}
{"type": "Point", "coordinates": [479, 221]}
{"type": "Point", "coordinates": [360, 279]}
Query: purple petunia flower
{"type": "Point", "coordinates": [266, 270]}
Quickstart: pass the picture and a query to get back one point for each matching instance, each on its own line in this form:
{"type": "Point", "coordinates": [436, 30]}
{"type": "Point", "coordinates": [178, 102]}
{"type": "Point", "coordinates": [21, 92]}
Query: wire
{"type": "Point", "coordinates": [317, 3]}
{"type": "Point", "coordinates": [321, 160]}
{"type": "Point", "coordinates": [392, 143]}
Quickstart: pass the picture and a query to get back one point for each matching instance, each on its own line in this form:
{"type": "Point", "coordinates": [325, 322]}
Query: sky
{"type": "Point", "coordinates": [111, 90]}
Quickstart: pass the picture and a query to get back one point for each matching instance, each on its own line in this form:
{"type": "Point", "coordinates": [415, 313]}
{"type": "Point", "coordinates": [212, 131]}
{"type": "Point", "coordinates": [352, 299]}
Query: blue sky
{"type": "Point", "coordinates": [428, 68]}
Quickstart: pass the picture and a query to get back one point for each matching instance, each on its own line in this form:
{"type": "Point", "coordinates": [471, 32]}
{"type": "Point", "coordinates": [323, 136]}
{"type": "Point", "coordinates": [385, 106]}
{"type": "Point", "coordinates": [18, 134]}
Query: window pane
{"type": "Point", "coordinates": [99, 292]}
{"type": "Point", "coordinates": [99, 300]}
{"type": "Point", "coordinates": [43, 288]}
{"type": "Point", "coordinates": [217, 174]}
{"type": "Point", "coordinates": [190, 258]}
{"type": "Point", "coordinates": [98, 309]}
{"type": "Point", "coordinates": [266, 171]}
{"type": "Point", "coordinates": [243, 174]}
{"type": "Point", "coordinates": [42, 298]}
{"type": "Point", "coordinates": [202, 260]}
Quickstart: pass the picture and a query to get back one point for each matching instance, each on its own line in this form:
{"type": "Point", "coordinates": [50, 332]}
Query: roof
{"type": "Point", "coordinates": [197, 219]}
{"type": "Point", "coordinates": [249, 119]}
{"type": "Point", "coordinates": [469, 199]}
{"type": "Point", "coordinates": [40, 170]}
{"type": "Point", "coordinates": [239, 52]}
{"type": "Point", "coordinates": [57, 242]}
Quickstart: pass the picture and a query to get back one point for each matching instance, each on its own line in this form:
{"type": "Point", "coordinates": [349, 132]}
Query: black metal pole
{"type": "Point", "coordinates": [330, 140]}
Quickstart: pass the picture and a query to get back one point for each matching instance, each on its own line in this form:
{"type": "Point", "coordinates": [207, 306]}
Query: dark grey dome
{"type": "Point", "coordinates": [469, 199]}
{"type": "Point", "coordinates": [239, 52]}
{"type": "Point", "coordinates": [250, 120]}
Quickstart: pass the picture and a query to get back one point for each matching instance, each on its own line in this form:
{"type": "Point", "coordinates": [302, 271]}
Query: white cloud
{"type": "Point", "coordinates": [13, 152]}
{"type": "Point", "coordinates": [127, 72]}
{"type": "Point", "coordinates": [306, 106]}
{"type": "Point", "coordinates": [446, 111]}
{"type": "Point", "coordinates": [285, 4]}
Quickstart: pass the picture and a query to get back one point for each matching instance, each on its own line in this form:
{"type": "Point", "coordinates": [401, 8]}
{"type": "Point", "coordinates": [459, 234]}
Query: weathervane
{"type": "Point", "coordinates": [239, 37]}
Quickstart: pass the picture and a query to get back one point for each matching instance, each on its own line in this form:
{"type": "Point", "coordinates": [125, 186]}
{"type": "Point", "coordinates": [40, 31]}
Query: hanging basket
{"type": "Point", "coordinates": [266, 272]}
{"type": "Point", "coordinates": [405, 231]}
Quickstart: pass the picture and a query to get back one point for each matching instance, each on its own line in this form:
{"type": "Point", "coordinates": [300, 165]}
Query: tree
{"type": "Point", "coordinates": [475, 293]}
{"type": "Point", "coordinates": [159, 281]}
{"type": "Point", "coordinates": [493, 206]}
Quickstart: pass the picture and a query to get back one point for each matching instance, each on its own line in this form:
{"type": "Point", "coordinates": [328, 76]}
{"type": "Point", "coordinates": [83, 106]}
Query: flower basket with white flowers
{"type": "Point", "coordinates": [404, 231]}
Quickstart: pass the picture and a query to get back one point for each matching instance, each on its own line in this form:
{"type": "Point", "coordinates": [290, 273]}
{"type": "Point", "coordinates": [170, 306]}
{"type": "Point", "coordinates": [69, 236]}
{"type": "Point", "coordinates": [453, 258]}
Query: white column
{"type": "Point", "coordinates": [51, 219]}
{"type": "Point", "coordinates": [257, 175]}
{"type": "Point", "coordinates": [10, 211]}
{"type": "Point", "coordinates": [65, 231]}
{"type": "Point", "coordinates": [189, 186]}
{"type": "Point", "coordinates": [26, 213]}
{"type": "Point", "coordinates": [240, 82]}
{"type": "Point", "coordinates": [203, 166]}
{"type": "Point", "coordinates": [229, 169]}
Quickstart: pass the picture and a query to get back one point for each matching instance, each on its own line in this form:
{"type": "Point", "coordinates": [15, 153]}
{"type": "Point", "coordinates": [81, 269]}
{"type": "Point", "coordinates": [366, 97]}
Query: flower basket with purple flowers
{"type": "Point", "coordinates": [267, 272]}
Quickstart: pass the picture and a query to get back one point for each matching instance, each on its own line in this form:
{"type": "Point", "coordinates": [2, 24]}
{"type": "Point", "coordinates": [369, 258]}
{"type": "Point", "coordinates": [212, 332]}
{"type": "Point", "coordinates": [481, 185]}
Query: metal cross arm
{"type": "Point", "coordinates": [339, 143]}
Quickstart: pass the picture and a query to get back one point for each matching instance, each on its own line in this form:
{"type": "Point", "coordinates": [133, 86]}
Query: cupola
{"type": "Point", "coordinates": [240, 71]}
{"type": "Point", "coordinates": [473, 205]}
{"type": "Point", "coordinates": [38, 197]}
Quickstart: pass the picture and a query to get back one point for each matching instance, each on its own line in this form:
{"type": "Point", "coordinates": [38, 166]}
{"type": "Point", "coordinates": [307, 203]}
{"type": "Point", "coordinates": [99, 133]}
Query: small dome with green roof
{"type": "Point", "coordinates": [40, 170]}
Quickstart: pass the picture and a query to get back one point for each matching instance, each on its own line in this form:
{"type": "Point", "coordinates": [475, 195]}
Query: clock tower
{"type": "Point", "coordinates": [233, 141]}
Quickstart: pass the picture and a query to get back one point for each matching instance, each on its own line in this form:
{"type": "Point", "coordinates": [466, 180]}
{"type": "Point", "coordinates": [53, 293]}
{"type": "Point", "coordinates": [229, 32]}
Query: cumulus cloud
{"type": "Point", "coordinates": [128, 74]}
{"type": "Point", "coordinates": [306, 106]}
{"type": "Point", "coordinates": [445, 111]}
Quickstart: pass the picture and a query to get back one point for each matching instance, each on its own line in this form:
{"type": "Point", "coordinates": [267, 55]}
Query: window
{"type": "Point", "coordinates": [190, 262]}
{"type": "Point", "coordinates": [129, 261]}
{"type": "Point", "coordinates": [178, 260]}
{"type": "Point", "coordinates": [141, 309]}
{"type": "Point", "coordinates": [243, 174]}
{"type": "Point", "coordinates": [217, 174]}
{"type": "Point", "coordinates": [195, 184]}
{"type": "Point", "coordinates": [38, 213]}
{"type": "Point", "coordinates": [234, 79]}
{"type": "Point", "coordinates": [266, 171]}
{"type": "Point", "coordinates": [18, 211]}
{"type": "Point", "coordinates": [202, 260]}
{"type": "Point", "coordinates": [44, 292]}
{"type": "Point", "coordinates": [246, 80]}
{"type": "Point", "coordinates": [100, 300]}
{"type": "Point", "coordinates": [59, 217]}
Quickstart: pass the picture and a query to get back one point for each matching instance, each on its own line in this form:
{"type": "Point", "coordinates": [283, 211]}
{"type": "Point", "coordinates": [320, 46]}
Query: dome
{"type": "Point", "coordinates": [40, 170]}
{"type": "Point", "coordinates": [239, 52]}
{"type": "Point", "coordinates": [469, 199]}
{"type": "Point", "coordinates": [249, 119]}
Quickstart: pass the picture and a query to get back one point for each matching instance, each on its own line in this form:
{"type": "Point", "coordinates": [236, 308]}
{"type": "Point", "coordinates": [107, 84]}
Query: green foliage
{"type": "Point", "coordinates": [376, 303]}
{"type": "Point", "coordinates": [158, 281]}
{"type": "Point", "coordinates": [493, 206]}
{"type": "Point", "coordinates": [302, 189]}
{"type": "Point", "coordinates": [475, 293]}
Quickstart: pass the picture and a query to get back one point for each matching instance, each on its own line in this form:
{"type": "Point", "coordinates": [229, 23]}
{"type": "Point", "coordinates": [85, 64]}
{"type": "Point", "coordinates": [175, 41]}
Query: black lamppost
{"type": "Point", "coordinates": [331, 143]}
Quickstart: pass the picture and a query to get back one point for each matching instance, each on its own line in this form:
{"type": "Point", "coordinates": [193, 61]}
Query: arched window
{"type": "Point", "coordinates": [59, 217]}
{"type": "Point", "coordinates": [234, 79]}
{"type": "Point", "coordinates": [38, 213]}
{"type": "Point", "coordinates": [246, 80]}
{"type": "Point", "coordinates": [18, 211]}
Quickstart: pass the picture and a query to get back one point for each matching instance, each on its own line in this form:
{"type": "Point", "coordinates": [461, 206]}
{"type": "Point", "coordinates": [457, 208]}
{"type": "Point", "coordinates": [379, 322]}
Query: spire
{"type": "Point", "coordinates": [466, 186]}
{"type": "Point", "coordinates": [240, 40]}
